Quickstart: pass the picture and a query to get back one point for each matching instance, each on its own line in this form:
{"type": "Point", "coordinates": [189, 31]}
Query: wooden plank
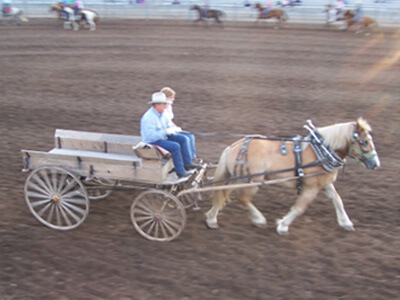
{"type": "Point", "coordinates": [97, 164]}
{"type": "Point", "coordinates": [95, 141]}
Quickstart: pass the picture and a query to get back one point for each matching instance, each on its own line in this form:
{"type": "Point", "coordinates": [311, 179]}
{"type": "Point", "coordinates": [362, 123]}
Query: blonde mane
{"type": "Point", "coordinates": [337, 136]}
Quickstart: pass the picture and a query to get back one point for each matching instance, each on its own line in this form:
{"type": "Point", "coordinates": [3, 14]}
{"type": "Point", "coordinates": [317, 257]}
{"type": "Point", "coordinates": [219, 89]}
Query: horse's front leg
{"type": "Point", "coordinates": [211, 217]}
{"type": "Point", "coordinates": [256, 217]}
{"type": "Point", "coordinates": [302, 202]}
{"type": "Point", "coordinates": [342, 217]}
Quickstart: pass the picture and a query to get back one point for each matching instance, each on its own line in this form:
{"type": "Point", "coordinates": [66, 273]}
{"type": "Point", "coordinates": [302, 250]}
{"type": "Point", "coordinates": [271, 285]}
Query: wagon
{"type": "Point", "coordinates": [86, 166]}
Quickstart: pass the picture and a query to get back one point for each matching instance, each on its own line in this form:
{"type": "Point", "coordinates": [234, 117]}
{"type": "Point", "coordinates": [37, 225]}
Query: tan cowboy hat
{"type": "Point", "coordinates": [159, 98]}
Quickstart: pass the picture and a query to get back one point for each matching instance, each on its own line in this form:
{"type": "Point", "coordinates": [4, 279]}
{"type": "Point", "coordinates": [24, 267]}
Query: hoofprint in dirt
{"type": "Point", "coordinates": [237, 80]}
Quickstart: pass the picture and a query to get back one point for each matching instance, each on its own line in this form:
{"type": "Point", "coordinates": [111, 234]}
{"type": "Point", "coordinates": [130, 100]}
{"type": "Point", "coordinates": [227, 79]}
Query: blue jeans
{"type": "Point", "coordinates": [178, 145]}
{"type": "Point", "coordinates": [192, 142]}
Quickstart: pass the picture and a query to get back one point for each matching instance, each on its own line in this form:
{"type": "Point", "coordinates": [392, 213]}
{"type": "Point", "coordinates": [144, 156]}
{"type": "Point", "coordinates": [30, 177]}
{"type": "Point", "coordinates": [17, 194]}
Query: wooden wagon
{"type": "Point", "coordinates": [86, 166]}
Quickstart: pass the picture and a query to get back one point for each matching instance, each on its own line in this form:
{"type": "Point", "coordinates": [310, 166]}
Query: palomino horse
{"type": "Point", "coordinates": [14, 16]}
{"type": "Point", "coordinates": [85, 17]}
{"type": "Point", "coordinates": [278, 14]}
{"type": "Point", "coordinates": [203, 15]}
{"type": "Point", "coordinates": [319, 157]}
{"type": "Point", "coordinates": [365, 24]}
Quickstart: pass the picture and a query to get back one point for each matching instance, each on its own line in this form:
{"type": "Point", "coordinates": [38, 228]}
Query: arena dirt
{"type": "Point", "coordinates": [239, 79]}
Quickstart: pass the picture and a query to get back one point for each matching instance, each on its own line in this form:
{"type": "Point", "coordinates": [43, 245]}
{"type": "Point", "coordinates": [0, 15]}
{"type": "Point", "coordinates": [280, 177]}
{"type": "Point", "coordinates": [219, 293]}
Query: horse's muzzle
{"type": "Point", "coordinates": [372, 163]}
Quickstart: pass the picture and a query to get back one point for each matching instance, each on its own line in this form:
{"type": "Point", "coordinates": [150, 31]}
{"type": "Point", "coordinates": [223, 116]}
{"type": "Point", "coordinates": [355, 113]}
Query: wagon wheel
{"type": "Point", "coordinates": [98, 193]}
{"type": "Point", "coordinates": [56, 198]}
{"type": "Point", "coordinates": [158, 215]}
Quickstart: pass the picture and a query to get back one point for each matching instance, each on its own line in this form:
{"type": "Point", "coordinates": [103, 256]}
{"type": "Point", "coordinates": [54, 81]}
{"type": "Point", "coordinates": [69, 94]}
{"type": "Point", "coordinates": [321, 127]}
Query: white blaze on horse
{"type": "Point", "coordinates": [67, 15]}
{"type": "Point", "coordinates": [14, 15]}
{"type": "Point", "coordinates": [313, 160]}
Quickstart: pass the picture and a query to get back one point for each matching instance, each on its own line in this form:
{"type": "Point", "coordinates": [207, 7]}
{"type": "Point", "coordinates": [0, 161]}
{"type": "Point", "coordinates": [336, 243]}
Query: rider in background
{"type": "Point", "coordinates": [358, 11]}
{"type": "Point", "coordinates": [6, 6]}
{"type": "Point", "coordinates": [206, 7]}
{"type": "Point", "coordinates": [270, 4]}
{"type": "Point", "coordinates": [78, 6]}
{"type": "Point", "coordinates": [339, 6]}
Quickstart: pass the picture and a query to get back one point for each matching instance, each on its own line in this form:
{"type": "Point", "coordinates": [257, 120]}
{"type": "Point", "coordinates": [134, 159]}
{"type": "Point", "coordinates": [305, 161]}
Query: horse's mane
{"type": "Point", "coordinates": [338, 135]}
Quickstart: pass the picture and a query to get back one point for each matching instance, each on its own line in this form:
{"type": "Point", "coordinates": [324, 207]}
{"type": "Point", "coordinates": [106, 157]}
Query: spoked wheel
{"type": "Point", "coordinates": [56, 198]}
{"type": "Point", "coordinates": [189, 200]}
{"type": "Point", "coordinates": [96, 188]}
{"type": "Point", "coordinates": [158, 215]}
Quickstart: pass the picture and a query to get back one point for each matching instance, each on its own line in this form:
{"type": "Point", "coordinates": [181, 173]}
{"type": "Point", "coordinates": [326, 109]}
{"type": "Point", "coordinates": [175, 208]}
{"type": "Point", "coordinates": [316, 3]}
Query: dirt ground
{"type": "Point", "coordinates": [238, 79]}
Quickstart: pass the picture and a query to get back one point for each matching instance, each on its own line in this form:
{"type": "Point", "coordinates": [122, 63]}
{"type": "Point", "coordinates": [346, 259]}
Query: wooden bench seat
{"type": "Point", "coordinates": [101, 155]}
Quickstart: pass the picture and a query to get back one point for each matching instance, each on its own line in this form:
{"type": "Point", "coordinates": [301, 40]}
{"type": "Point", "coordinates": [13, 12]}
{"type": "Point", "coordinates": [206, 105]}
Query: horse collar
{"type": "Point", "coordinates": [330, 161]}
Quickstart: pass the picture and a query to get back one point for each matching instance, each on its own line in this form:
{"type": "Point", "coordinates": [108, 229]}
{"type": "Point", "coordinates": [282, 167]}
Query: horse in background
{"type": "Point", "coordinates": [278, 14]}
{"type": "Point", "coordinates": [204, 14]}
{"type": "Point", "coordinates": [13, 15]}
{"type": "Point", "coordinates": [67, 16]}
{"type": "Point", "coordinates": [320, 155]}
{"type": "Point", "coordinates": [366, 24]}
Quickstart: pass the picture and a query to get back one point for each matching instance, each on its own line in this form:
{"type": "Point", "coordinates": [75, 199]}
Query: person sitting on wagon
{"type": "Point", "coordinates": [157, 129]}
{"type": "Point", "coordinates": [170, 94]}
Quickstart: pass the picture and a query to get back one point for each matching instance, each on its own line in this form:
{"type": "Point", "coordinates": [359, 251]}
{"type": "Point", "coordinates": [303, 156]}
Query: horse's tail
{"type": "Point", "coordinates": [221, 13]}
{"type": "Point", "coordinates": [220, 197]}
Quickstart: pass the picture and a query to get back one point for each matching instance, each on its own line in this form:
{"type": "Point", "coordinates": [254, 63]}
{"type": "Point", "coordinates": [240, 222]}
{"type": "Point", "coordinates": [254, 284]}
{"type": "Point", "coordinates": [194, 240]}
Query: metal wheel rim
{"type": "Point", "coordinates": [158, 215]}
{"type": "Point", "coordinates": [56, 198]}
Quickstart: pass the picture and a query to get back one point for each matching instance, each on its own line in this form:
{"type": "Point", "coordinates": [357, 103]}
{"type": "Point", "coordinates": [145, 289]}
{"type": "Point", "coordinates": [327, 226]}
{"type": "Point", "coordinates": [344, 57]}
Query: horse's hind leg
{"type": "Point", "coordinates": [92, 25]}
{"type": "Point", "coordinates": [256, 216]}
{"type": "Point", "coordinates": [341, 215]}
{"type": "Point", "coordinates": [302, 202]}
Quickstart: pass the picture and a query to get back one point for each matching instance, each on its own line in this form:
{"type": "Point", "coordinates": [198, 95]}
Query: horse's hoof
{"type": "Point", "coordinates": [282, 232]}
{"type": "Point", "coordinates": [348, 228]}
{"type": "Point", "coordinates": [262, 224]}
{"type": "Point", "coordinates": [212, 225]}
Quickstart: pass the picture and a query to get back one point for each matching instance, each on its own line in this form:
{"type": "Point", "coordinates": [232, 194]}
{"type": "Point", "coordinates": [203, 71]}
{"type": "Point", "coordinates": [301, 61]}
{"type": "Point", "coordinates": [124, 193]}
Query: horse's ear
{"type": "Point", "coordinates": [362, 125]}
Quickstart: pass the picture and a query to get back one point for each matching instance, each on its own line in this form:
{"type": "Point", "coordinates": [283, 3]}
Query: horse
{"type": "Point", "coordinates": [320, 155]}
{"type": "Point", "coordinates": [14, 16]}
{"type": "Point", "coordinates": [365, 23]}
{"type": "Point", "coordinates": [278, 14]}
{"type": "Point", "coordinates": [203, 15]}
{"type": "Point", "coordinates": [85, 17]}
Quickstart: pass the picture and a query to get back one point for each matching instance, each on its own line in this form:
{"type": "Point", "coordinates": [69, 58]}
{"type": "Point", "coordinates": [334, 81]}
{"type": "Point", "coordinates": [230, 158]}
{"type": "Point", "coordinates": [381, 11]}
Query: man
{"type": "Point", "coordinates": [358, 12]}
{"type": "Point", "coordinates": [156, 129]}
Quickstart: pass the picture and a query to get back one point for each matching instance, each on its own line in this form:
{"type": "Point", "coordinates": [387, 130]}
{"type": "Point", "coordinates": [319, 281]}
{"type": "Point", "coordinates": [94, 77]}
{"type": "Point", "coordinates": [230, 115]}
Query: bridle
{"type": "Point", "coordinates": [363, 154]}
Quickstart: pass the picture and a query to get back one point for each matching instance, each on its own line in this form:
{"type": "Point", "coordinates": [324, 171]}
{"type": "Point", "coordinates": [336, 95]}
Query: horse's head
{"type": "Point", "coordinates": [257, 6]}
{"type": "Point", "coordinates": [195, 7]}
{"type": "Point", "coordinates": [349, 14]}
{"type": "Point", "coordinates": [362, 146]}
{"type": "Point", "coordinates": [55, 7]}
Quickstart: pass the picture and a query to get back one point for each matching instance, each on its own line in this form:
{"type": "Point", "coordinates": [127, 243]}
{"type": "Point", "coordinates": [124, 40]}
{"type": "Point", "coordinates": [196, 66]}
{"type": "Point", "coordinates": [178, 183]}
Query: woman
{"type": "Point", "coordinates": [170, 94]}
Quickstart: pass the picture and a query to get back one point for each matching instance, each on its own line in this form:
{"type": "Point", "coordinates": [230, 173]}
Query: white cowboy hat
{"type": "Point", "coordinates": [159, 98]}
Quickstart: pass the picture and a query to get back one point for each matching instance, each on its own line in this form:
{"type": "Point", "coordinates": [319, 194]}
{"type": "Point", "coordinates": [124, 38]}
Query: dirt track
{"type": "Point", "coordinates": [233, 80]}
